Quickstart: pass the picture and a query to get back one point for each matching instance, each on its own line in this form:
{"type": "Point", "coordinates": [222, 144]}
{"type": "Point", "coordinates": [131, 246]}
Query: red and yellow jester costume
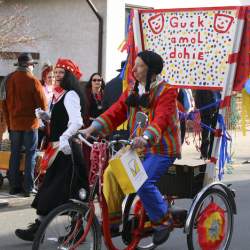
{"type": "Point", "coordinates": [164, 146]}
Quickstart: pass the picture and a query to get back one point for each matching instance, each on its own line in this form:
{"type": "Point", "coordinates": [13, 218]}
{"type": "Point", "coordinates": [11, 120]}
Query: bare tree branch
{"type": "Point", "coordinates": [15, 29]}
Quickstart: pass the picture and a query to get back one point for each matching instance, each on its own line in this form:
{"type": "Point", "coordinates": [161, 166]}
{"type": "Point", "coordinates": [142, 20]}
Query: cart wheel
{"type": "Point", "coordinates": [1, 179]}
{"type": "Point", "coordinates": [212, 224]}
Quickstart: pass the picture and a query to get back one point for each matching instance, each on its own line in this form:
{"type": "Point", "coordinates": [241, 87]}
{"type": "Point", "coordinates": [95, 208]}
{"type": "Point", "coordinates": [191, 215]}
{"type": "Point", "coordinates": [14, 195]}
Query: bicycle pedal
{"type": "Point", "coordinates": [179, 214]}
{"type": "Point", "coordinates": [115, 234]}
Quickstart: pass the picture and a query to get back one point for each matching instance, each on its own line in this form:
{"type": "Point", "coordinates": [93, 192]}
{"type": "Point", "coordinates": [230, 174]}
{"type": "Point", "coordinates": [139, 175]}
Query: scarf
{"type": "Point", "coordinates": [58, 92]}
{"type": "Point", "coordinates": [23, 69]}
{"type": "Point", "coordinates": [98, 96]}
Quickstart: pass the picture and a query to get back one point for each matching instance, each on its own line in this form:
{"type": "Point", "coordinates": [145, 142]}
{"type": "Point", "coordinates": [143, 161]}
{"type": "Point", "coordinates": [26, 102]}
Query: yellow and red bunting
{"type": "Point", "coordinates": [123, 46]}
{"type": "Point", "coordinates": [245, 110]}
{"type": "Point", "coordinates": [211, 227]}
{"type": "Point", "coordinates": [129, 46]}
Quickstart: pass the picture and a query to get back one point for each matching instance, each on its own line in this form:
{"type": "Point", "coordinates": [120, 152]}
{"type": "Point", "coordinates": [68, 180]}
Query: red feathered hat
{"type": "Point", "coordinates": [69, 65]}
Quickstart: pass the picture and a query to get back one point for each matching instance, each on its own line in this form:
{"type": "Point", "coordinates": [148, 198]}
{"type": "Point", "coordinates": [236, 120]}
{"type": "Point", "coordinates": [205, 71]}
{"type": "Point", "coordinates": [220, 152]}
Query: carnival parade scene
{"type": "Point", "coordinates": [124, 124]}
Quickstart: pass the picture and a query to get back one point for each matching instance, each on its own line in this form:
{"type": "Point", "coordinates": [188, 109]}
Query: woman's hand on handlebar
{"type": "Point", "coordinates": [87, 132]}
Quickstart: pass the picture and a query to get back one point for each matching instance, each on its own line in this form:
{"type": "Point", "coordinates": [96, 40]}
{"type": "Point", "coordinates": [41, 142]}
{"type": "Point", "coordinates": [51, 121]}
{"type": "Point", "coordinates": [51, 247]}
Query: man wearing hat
{"type": "Point", "coordinates": [160, 139]}
{"type": "Point", "coordinates": [23, 94]}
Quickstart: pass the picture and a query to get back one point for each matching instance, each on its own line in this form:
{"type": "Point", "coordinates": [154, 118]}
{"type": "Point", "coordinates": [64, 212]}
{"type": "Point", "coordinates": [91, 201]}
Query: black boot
{"type": "Point", "coordinates": [162, 232]}
{"type": "Point", "coordinates": [29, 233]}
{"type": "Point", "coordinates": [14, 191]}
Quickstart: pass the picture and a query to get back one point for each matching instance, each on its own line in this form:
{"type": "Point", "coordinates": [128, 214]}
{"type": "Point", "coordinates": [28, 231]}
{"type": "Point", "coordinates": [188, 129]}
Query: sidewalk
{"type": "Point", "coordinates": [12, 200]}
{"type": "Point", "coordinates": [239, 149]}
{"type": "Point", "coordinates": [240, 152]}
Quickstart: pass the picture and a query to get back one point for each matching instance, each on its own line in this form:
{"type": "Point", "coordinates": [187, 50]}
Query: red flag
{"type": "Point", "coordinates": [131, 50]}
{"type": "Point", "coordinates": [243, 65]}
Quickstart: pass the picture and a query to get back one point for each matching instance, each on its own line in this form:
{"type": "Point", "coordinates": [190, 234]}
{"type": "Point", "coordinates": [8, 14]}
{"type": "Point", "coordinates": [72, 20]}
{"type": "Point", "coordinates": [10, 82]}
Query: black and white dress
{"type": "Point", "coordinates": [63, 179]}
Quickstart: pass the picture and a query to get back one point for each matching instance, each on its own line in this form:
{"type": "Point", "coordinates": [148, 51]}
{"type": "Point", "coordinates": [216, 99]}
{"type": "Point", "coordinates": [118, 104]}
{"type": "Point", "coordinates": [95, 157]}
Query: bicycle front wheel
{"type": "Point", "coordinates": [63, 228]}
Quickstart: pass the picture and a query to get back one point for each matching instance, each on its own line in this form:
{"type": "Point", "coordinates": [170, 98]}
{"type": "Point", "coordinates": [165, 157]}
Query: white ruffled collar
{"type": "Point", "coordinates": [153, 84]}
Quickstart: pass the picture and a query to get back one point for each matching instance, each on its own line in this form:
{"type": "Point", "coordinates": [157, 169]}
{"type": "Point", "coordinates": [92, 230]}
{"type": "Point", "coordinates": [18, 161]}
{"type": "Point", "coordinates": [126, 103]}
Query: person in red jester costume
{"type": "Point", "coordinates": [160, 139]}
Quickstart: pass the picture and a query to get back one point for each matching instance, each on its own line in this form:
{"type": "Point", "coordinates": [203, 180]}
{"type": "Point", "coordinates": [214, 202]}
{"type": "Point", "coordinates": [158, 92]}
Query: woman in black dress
{"type": "Point", "coordinates": [63, 179]}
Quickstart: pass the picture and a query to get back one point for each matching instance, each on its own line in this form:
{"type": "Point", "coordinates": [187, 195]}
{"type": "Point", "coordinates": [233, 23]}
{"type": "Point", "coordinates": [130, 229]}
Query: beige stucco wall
{"type": "Point", "coordinates": [68, 29]}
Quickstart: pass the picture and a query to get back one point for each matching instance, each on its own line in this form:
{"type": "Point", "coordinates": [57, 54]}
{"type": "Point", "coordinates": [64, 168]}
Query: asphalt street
{"type": "Point", "coordinates": [18, 214]}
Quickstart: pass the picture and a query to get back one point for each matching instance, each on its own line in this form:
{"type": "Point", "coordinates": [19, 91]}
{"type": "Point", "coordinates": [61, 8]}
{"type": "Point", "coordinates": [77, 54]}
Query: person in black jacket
{"type": "Point", "coordinates": [208, 117]}
{"type": "Point", "coordinates": [94, 96]}
{"type": "Point", "coordinates": [113, 89]}
{"type": "Point", "coordinates": [112, 92]}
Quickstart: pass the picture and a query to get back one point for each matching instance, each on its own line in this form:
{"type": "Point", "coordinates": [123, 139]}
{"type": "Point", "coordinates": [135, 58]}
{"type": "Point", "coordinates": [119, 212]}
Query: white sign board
{"type": "Point", "coordinates": [197, 45]}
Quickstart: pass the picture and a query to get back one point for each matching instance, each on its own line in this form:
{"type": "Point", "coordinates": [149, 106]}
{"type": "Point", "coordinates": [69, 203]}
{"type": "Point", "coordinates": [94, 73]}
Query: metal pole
{"type": "Point", "coordinates": [100, 35]}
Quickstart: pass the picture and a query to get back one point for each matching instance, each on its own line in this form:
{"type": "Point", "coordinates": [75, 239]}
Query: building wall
{"type": "Point", "coordinates": [67, 29]}
{"type": "Point", "coordinates": [70, 29]}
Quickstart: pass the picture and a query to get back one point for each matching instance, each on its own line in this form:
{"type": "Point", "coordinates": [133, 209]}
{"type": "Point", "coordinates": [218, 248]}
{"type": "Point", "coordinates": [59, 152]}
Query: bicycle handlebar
{"type": "Point", "coordinates": [110, 143]}
{"type": "Point", "coordinates": [84, 140]}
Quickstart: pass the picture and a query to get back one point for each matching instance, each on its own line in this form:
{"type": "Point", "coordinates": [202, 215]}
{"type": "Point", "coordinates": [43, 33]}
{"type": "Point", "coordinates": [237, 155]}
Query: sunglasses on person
{"type": "Point", "coordinates": [96, 80]}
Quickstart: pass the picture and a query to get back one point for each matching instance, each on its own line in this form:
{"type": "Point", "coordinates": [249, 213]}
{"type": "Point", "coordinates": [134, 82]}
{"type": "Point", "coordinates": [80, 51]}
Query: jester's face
{"type": "Point", "coordinates": [156, 23]}
{"type": "Point", "coordinates": [222, 23]}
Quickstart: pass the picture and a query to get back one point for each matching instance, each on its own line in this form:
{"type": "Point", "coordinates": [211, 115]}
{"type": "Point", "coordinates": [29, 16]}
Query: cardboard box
{"type": "Point", "coordinates": [4, 160]}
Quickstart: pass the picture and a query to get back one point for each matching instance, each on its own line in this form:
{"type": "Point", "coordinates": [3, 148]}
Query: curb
{"type": "Point", "coordinates": [20, 201]}
{"type": "Point", "coordinates": [15, 201]}
{"type": "Point", "coordinates": [3, 203]}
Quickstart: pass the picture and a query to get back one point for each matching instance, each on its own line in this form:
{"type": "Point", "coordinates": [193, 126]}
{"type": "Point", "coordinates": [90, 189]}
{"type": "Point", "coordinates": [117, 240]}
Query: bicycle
{"type": "Point", "coordinates": [75, 225]}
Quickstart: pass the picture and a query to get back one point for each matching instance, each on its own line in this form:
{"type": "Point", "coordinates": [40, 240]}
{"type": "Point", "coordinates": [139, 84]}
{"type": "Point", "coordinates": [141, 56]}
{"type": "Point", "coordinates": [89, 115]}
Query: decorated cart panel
{"type": "Point", "coordinates": [198, 45]}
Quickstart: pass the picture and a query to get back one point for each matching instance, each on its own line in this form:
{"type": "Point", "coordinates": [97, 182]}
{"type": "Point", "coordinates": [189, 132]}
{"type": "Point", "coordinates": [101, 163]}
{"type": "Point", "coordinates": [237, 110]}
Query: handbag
{"type": "Point", "coordinates": [128, 170]}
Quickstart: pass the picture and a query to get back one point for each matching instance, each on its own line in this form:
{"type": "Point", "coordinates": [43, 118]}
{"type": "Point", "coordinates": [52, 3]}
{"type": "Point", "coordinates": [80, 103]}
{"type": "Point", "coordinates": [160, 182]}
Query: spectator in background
{"type": "Point", "coordinates": [47, 81]}
{"type": "Point", "coordinates": [208, 117]}
{"type": "Point", "coordinates": [94, 96]}
{"type": "Point", "coordinates": [185, 104]}
{"type": "Point", "coordinates": [3, 125]}
{"type": "Point", "coordinates": [113, 89]}
{"type": "Point", "coordinates": [24, 93]}
{"type": "Point", "coordinates": [112, 92]}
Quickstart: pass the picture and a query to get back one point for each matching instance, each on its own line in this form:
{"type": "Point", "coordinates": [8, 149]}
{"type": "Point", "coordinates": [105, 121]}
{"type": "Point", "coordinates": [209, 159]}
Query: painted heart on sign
{"type": "Point", "coordinates": [222, 23]}
{"type": "Point", "coordinates": [156, 23]}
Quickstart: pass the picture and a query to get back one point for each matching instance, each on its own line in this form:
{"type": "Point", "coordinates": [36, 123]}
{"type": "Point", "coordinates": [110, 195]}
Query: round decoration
{"type": "Point", "coordinates": [210, 227]}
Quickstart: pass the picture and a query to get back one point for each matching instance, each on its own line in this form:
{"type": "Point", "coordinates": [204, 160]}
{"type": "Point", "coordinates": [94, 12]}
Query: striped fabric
{"type": "Point", "coordinates": [163, 126]}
